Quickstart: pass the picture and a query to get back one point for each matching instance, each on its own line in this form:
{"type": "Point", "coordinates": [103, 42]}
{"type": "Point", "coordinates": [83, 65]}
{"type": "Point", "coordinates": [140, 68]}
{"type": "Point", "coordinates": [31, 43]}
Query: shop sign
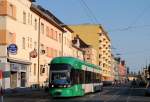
{"type": "Point", "coordinates": [33, 54]}
{"type": "Point", "coordinates": [12, 48]}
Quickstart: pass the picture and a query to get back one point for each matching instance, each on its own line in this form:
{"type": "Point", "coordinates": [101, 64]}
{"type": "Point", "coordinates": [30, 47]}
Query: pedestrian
{"type": "Point", "coordinates": [133, 84]}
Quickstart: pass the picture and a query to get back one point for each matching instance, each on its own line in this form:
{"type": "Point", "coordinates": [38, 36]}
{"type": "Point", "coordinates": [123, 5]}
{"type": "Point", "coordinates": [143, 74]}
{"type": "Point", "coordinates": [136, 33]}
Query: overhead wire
{"type": "Point", "coordinates": [127, 28]}
{"type": "Point", "coordinates": [86, 12]}
{"type": "Point", "coordinates": [131, 26]}
{"type": "Point", "coordinates": [89, 11]}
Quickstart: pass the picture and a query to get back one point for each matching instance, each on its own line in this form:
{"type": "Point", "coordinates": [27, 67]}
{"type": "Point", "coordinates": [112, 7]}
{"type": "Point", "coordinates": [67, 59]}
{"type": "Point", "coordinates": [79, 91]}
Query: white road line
{"type": "Point", "coordinates": [128, 98]}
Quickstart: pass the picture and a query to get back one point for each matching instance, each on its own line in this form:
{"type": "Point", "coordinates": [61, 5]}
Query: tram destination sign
{"type": "Point", "coordinates": [12, 48]}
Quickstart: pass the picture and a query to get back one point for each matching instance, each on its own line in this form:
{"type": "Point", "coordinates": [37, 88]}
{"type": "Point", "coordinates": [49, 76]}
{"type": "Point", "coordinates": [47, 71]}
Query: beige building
{"type": "Point", "coordinates": [90, 55]}
{"type": "Point", "coordinates": [30, 36]}
{"type": "Point", "coordinates": [97, 37]}
{"type": "Point", "coordinates": [67, 42]}
{"type": "Point", "coordinates": [17, 33]}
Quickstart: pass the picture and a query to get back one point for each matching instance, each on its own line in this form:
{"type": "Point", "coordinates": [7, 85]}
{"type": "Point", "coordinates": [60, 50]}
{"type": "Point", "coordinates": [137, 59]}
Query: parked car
{"type": "Point", "coordinates": [107, 83]}
{"type": "Point", "coordinates": [147, 91]}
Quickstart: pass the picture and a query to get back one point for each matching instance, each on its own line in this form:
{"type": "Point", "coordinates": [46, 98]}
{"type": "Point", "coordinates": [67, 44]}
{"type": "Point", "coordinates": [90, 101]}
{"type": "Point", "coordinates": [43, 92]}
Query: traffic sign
{"type": "Point", "coordinates": [12, 48]}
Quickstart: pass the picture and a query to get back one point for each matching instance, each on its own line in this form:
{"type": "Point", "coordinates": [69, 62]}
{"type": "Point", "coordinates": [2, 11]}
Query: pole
{"type": "Point", "coordinates": [38, 76]}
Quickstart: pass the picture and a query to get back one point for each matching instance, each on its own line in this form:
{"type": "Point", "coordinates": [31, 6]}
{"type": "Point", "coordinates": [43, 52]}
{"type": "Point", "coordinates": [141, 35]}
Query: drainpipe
{"type": "Point", "coordinates": [38, 76]}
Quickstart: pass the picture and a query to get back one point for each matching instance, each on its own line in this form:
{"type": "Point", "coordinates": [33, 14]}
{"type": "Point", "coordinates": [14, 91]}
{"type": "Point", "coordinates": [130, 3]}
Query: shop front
{"type": "Point", "coordinates": [18, 75]}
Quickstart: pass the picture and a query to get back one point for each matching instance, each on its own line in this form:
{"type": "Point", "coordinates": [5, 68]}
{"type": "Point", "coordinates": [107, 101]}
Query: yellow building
{"type": "Point", "coordinates": [97, 37]}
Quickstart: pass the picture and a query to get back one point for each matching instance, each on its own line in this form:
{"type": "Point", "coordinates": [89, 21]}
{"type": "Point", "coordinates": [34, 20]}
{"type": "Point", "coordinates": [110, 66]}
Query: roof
{"type": "Point", "coordinates": [47, 15]}
{"type": "Point", "coordinates": [104, 32]}
{"type": "Point", "coordinates": [68, 28]}
{"type": "Point", "coordinates": [32, 0]}
{"type": "Point", "coordinates": [82, 43]}
{"type": "Point", "coordinates": [96, 25]}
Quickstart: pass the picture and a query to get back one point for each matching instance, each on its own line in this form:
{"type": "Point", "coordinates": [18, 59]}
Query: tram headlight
{"type": "Point", "coordinates": [68, 85]}
{"type": "Point", "coordinates": [65, 86]}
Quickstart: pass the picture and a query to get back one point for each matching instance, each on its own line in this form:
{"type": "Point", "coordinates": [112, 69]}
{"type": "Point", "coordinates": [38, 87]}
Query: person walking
{"type": "Point", "coordinates": [133, 84]}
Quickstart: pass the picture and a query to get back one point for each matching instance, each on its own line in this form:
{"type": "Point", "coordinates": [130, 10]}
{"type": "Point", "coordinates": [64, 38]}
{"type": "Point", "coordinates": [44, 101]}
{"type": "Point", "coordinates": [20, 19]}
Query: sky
{"type": "Point", "coordinates": [126, 21]}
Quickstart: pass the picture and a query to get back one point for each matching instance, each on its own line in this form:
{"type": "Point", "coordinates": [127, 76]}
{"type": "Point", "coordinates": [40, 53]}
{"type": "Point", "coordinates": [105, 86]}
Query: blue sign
{"type": "Point", "coordinates": [12, 48]}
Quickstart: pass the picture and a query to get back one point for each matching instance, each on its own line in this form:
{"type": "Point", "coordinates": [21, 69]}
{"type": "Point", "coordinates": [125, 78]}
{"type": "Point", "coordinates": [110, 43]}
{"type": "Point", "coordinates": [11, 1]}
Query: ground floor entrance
{"type": "Point", "coordinates": [18, 75]}
{"type": "Point", "coordinates": [13, 79]}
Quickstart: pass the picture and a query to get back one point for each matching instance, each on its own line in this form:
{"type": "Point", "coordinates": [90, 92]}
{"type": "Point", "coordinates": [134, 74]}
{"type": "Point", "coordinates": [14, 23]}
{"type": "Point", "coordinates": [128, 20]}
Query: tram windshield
{"type": "Point", "coordinates": [60, 74]}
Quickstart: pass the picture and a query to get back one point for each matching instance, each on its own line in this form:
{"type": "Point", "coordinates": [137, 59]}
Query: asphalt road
{"type": "Point", "coordinates": [109, 94]}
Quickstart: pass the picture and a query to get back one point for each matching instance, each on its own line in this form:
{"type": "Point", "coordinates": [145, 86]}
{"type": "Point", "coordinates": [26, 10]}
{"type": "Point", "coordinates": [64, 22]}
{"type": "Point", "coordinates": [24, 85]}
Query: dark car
{"type": "Point", "coordinates": [147, 91]}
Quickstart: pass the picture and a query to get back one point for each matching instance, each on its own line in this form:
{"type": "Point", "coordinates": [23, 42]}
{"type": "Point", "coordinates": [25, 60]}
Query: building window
{"type": "Point", "coordinates": [31, 19]}
{"type": "Point", "coordinates": [30, 42]}
{"type": "Point", "coordinates": [100, 34]}
{"type": "Point", "coordinates": [34, 72]}
{"type": "Point", "coordinates": [42, 49]}
{"type": "Point", "coordinates": [28, 18]}
{"type": "Point", "coordinates": [100, 55]}
{"type": "Point", "coordinates": [23, 43]}
{"type": "Point", "coordinates": [99, 63]}
{"type": "Point", "coordinates": [35, 25]}
{"type": "Point", "coordinates": [55, 35]}
{"type": "Point", "coordinates": [12, 37]}
{"type": "Point", "coordinates": [60, 38]}
{"type": "Point", "coordinates": [47, 31]}
{"type": "Point", "coordinates": [100, 41]}
{"type": "Point", "coordinates": [104, 65]}
{"type": "Point", "coordinates": [24, 18]}
{"type": "Point", "coordinates": [35, 45]}
{"type": "Point", "coordinates": [51, 33]}
{"type": "Point", "coordinates": [64, 40]}
{"type": "Point", "coordinates": [10, 10]}
{"type": "Point", "coordinates": [42, 28]}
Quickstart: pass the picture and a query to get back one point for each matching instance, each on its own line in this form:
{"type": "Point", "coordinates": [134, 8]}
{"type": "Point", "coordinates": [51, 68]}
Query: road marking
{"type": "Point", "coordinates": [128, 98]}
{"type": "Point", "coordinates": [113, 97]}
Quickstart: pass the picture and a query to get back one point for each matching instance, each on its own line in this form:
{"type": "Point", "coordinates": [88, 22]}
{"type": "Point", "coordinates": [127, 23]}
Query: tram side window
{"type": "Point", "coordinates": [97, 77]}
{"type": "Point", "coordinates": [75, 79]}
{"type": "Point", "coordinates": [82, 77]}
{"type": "Point", "coordinates": [94, 77]}
{"type": "Point", "coordinates": [88, 77]}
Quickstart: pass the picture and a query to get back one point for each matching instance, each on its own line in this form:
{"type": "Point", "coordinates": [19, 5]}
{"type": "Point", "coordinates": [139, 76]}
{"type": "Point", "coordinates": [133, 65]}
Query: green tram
{"type": "Point", "coordinates": [70, 77]}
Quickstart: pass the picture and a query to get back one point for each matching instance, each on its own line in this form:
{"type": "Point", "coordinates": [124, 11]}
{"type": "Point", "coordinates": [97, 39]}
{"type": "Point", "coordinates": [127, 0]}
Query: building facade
{"type": "Point", "coordinates": [17, 39]}
{"type": "Point", "coordinates": [30, 36]}
{"type": "Point", "coordinates": [122, 70]}
{"type": "Point", "coordinates": [96, 36]}
{"type": "Point", "coordinates": [90, 55]}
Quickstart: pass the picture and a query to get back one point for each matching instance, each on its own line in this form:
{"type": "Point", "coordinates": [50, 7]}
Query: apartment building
{"type": "Point", "coordinates": [97, 37]}
{"type": "Point", "coordinates": [90, 55]}
{"type": "Point", "coordinates": [67, 41]}
{"type": "Point", "coordinates": [18, 38]}
{"type": "Point", "coordinates": [30, 36]}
